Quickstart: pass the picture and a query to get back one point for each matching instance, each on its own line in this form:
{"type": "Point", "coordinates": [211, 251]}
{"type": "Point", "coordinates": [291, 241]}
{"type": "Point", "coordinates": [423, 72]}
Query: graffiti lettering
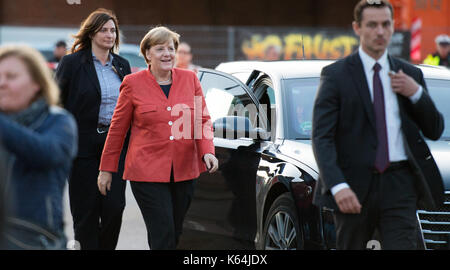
{"type": "Point", "coordinates": [319, 46]}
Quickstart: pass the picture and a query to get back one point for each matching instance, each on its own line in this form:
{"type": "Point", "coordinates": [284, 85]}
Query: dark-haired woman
{"type": "Point", "coordinates": [89, 79]}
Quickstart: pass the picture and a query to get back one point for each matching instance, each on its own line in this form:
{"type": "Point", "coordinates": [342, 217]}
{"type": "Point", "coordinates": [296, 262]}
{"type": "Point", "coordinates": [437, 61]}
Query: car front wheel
{"type": "Point", "coordinates": [281, 227]}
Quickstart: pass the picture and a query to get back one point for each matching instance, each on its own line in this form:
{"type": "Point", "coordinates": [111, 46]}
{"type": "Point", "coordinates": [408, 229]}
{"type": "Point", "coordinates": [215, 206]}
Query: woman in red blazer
{"type": "Point", "coordinates": [170, 142]}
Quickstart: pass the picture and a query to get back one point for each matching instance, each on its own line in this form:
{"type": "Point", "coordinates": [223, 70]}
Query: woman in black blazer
{"type": "Point", "coordinates": [89, 80]}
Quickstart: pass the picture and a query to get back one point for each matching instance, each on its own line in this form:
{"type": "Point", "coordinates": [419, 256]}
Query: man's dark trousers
{"type": "Point", "coordinates": [390, 208]}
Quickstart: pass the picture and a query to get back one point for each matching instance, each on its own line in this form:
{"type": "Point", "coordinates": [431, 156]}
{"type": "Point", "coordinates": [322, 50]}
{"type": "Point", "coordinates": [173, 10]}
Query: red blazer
{"type": "Point", "coordinates": [165, 132]}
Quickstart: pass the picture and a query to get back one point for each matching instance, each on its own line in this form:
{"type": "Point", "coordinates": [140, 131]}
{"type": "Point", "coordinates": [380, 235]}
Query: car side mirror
{"type": "Point", "coordinates": [234, 127]}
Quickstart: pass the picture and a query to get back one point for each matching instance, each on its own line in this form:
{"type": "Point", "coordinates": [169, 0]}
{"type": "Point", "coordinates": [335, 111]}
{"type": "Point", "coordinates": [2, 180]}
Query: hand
{"type": "Point", "coordinates": [347, 201]}
{"type": "Point", "coordinates": [211, 162]}
{"type": "Point", "coordinates": [403, 84]}
{"type": "Point", "coordinates": [104, 182]}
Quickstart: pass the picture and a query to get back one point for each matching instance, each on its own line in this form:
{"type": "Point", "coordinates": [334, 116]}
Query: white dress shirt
{"type": "Point", "coordinates": [392, 111]}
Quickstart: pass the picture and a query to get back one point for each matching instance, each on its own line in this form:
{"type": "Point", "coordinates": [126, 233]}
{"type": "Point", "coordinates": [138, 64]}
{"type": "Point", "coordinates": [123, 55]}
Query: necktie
{"type": "Point", "coordinates": [382, 154]}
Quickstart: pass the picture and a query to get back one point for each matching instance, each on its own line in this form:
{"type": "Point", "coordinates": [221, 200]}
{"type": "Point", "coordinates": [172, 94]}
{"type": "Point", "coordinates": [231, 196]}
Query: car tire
{"type": "Point", "coordinates": [281, 226]}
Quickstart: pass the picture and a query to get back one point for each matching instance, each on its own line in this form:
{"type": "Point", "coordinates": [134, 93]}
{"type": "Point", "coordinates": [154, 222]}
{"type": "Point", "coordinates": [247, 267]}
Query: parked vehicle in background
{"type": "Point", "coordinates": [131, 52]}
{"type": "Point", "coordinates": [261, 195]}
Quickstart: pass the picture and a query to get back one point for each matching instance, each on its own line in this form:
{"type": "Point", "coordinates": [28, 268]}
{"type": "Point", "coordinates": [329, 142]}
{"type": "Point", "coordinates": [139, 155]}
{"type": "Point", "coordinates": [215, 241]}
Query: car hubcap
{"type": "Point", "coordinates": [281, 234]}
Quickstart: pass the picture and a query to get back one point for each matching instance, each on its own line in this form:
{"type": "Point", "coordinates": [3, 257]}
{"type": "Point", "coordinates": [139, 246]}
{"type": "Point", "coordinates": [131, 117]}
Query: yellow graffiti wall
{"type": "Point", "coordinates": [286, 47]}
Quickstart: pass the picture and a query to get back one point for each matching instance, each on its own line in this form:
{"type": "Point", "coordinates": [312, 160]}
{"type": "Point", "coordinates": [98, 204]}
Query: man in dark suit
{"type": "Point", "coordinates": [367, 123]}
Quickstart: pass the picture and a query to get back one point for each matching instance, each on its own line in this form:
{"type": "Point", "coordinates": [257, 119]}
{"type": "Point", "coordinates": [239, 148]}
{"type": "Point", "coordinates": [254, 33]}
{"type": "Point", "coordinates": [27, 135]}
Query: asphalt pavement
{"type": "Point", "coordinates": [133, 235]}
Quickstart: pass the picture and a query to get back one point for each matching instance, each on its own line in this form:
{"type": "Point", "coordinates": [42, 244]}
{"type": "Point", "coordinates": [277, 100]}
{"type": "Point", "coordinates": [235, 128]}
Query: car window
{"type": "Point", "coordinates": [224, 97]}
{"type": "Point", "coordinates": [299, 96]}
{"type": "Point", "coordinates": [242, 76]}
{"type": "Point", "coordinates": [440, 93]}
{"type": "Point", "coordinates": [266, 96]}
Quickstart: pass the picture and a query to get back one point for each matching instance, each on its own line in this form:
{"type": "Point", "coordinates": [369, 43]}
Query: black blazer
{"type": "Point", "coordinates": [81, 94]}
{"type": "Point", "coordinates": [344, 136]}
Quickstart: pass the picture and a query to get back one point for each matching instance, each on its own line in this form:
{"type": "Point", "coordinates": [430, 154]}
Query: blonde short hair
{"type": "Point", "coordinates": [156, 36]}
{"type": "Point", "coordinates": [37, 67]}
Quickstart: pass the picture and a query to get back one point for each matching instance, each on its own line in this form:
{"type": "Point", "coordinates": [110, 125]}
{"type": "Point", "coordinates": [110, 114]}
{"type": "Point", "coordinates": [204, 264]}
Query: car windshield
{"type": "Point", "coordinates": [440, 93]}
{"type": "Point", "coordinates": [300, 94]}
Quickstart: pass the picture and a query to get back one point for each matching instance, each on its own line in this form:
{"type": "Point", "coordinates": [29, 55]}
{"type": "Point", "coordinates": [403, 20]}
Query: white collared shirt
{"type": "Point", "coordinates": [392, 111]}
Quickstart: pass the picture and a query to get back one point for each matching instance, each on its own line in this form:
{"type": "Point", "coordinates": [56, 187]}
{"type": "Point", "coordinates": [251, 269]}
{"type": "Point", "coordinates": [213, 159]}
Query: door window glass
{"type": "Point", "coordinates": [226, 97]}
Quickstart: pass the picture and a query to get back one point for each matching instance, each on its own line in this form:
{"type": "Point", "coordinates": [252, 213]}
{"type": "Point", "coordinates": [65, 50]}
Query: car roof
{"type": "Point", "coordinates": [281, 69]}
{"type": "Point", "coordinates": [435, 72]}
{"type": "Point", "coordinates": [307, 68]}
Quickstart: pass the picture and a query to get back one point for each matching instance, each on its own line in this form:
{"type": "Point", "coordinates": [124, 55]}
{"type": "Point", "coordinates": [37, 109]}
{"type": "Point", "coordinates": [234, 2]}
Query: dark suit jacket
{"type": "Point", "coordinates": [344, 136]}
{"type": "Point", "coordinates": [81, 94]}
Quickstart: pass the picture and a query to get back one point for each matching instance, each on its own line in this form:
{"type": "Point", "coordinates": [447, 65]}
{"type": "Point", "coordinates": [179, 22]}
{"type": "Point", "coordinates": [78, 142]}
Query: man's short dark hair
{"type": "Point", "coordinates": [61, 43]}
{"type": "Point", "coordinates": [363, 4]}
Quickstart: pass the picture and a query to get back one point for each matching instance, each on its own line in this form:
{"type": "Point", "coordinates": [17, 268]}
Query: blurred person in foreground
{"type": "Point", "coordinates": [442, 55]}
{"type": "Point", "coordinates": [40, 140]}
{"type": "Point", "coordinates": [162, 160]}
{"type": "Point", "coordinates": [183, 57]}
{"type": "Point", "coordinates": [89, 79]}
{"type": "Point", "coordinates": [375, 167]}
